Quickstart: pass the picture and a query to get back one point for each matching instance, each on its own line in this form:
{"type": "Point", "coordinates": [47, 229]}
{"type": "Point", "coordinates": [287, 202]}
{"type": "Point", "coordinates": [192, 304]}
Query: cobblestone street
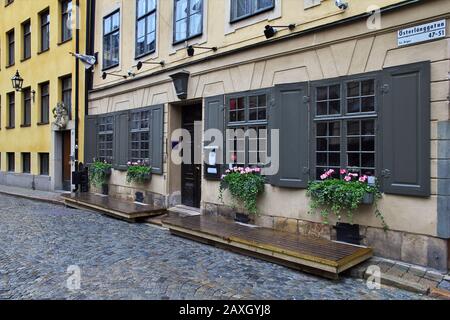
{"type": "Point", "coordinates": [119, 260]}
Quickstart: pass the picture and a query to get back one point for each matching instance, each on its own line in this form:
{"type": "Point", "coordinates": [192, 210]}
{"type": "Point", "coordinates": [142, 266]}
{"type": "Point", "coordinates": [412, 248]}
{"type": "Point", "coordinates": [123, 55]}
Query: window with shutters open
{"type": "Point", "coordinates": [344, 126]}
{"type": "Point", "coordinates": [247, 119]}
{"type": "Point", "coordinates": [105, 138]}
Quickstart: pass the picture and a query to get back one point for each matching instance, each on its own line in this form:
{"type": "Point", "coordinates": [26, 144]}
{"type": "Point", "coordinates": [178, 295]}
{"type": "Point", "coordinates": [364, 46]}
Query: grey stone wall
{"type": "Point", "coordinates": [402, 246]}
{"type": "Point", "coordinates": [443, 222]}
{"type": "Point", "coordinates": [27, 181]}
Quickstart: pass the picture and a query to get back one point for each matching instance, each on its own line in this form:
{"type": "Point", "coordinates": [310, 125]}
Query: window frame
{"type": "Point", "coordinates": [144, 17]}
{"type": "Point", "coordinates": [343, 118]}
{"type": "Point", "coordinates": [131, 131]}
{"type": "Point", "coordinates": [41, 98]}
{"type": "Point", "coordinates": [105, 133]}
{"type": "Point", "coordinates": [11, 43]}
{"type": "Point", "coordinates": [26, 107]}
{"type": "Point", "coordinates": [11, 166]}
{"type": "Point", "coordinates": [44, 26]}
{"type": "Point", "coordinates": [45, 172]}
{"type": "Point", "coordinates": [11, 107]}
{"type": "Point", "coordinates": [188, 15]}
{"type": "Point", "coordinates": [26, 162]}
{"type": "Point", "coordinates": [26, 39]}
{"type": "Point", "coordinates": [64, 91]}
{"type": "Point", "coordinates": [65, 15]}
{"type": "Point", "coordinates": [109, 34]}
{"type": "Point", "coordinates": [247, 123]}
{"type": "Point", "coordinates": [233, 8]}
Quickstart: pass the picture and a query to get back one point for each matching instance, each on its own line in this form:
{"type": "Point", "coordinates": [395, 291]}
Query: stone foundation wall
{"type": "Point", "coordinates": [27, 181]}
{"type": "Point", "coordinates": [402, 246]}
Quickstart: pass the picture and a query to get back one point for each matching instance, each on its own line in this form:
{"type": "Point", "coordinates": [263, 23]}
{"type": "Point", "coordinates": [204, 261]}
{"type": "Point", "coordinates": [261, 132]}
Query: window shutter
{"type": "Point", "coordinates": [405, 130]}
{"type": "Point", "coordinates": [289, 115]}
{"type": "Point", "coordinates": [214, 119]}
{"type": "Point", "coordinates": [90, 139]}
{"type": "Point", "coordinates": [121, 140]}
{"type": "Point", "coordinates": [157, 138]}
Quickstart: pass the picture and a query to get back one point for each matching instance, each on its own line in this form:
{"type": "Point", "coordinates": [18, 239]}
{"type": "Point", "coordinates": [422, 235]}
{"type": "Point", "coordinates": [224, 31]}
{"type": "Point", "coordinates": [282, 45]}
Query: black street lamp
{"type": "Point", "coordinates": [140, 64]}
{"type": "Point", "coordinates": [180, 81]}
{"type": "Point", "coordinates": [17, 82]}
{"type": "Point", "coordinates": [191, 49]}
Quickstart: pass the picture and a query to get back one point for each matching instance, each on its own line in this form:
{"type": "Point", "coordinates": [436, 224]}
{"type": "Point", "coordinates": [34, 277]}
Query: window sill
{"type": "Point", "coordinates": [10, 65]}
{"type": "Point", "coordinates": [64, 41]}
{"type": "Point", "coordinates": [43, 51]}
{"type": "Point", "coordinates": [43, 123]}
{"type": "Point", "coordinates": [9, 128]}
{"type": "Point", "coordinates": [142, 55]}
{"type": "Point", "coordinates": [25, 125]}
{"type": "Point", "coordinates": [110, 67]}
{"type": "Point", "coordinates": [25, 59]}
{"type": "Point", "coordinates": [174, 43]}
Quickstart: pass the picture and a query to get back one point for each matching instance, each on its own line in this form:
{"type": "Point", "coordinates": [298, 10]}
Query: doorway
{"type": "Point", "coordinates": [191, 173]}
{"type": "Point", "coordinates": [66, 163]}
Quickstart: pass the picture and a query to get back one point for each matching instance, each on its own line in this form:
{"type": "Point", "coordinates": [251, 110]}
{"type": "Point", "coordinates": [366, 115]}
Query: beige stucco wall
{"type": "Point", "coordinates": [340, 51]}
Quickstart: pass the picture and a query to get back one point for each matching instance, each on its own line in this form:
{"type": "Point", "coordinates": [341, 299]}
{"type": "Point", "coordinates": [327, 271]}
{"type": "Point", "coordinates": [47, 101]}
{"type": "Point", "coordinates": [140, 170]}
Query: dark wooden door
{"type": "Point", "coordinates": [191, 172]}
{"type": "Point", "coordinates": [66, 150]}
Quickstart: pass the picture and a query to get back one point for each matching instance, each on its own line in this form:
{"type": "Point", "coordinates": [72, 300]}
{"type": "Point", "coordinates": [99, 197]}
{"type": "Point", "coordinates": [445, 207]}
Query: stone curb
{"type": "Point", "coordinates": [28, 197]}
{"type": "Point", "coordinates": [411, 278]}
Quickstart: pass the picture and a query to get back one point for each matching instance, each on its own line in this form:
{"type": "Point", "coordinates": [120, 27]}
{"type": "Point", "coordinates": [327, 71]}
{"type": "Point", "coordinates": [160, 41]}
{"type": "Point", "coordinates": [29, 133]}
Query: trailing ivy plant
{"type": "Point", "coordinates": [342, 196]}
{"type": "Point", "coordinates": [99, 173]}
{"type": "Point", "coordinates": [244, 185]}
{"type": "Point", "coordinates": [138, 172]}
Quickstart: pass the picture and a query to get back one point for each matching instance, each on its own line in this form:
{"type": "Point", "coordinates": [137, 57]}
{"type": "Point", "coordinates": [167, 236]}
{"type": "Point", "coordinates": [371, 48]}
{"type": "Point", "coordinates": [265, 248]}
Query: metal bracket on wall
{"type": "Point", "coordinates": [385, 88]}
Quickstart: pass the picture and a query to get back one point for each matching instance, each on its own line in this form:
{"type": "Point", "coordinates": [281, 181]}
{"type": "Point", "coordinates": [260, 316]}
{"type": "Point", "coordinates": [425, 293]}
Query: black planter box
{"type": "Point", "coordinates": [105, 189]}
{"type": "Point", "coordinates": [241, 217]}
{"type": "Point", "coordinates": [139, 197]}
{"type": "Point", "coordinates": [348, 233]}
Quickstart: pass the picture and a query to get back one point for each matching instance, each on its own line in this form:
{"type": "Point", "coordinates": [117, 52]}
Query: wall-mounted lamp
{"type": "Point", "coordinates": [191, 49]}
{"type": "Point", "coordinates": [180, 81]}
{"type": "Point", "coordinates": [270, 31]}
{"type": "Point", "coordinates": [17, 81]}
{"type": "Point", "coordinates": [141, 63]}
{"type": "Point", "coordinates": [341, 4]}
{"type": "Point", "coordinates": [106, 74]}
{"type": "Point", "coordinates": [17, 84]}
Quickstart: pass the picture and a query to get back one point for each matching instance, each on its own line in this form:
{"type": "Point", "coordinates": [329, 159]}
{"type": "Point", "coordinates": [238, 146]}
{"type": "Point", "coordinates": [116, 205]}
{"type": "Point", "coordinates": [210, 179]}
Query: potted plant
{"type": "Point", "coordinates": [343, 195]}
{"type": "Point", "coordinates": [99, 173]}
{"type": "Point", "coordinates": [245, 186]}
{"type": "Point", "coordinates": [139, 172]}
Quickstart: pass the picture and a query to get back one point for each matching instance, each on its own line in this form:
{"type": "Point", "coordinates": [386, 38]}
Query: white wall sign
{"type": "Point", "coordinates": [424, 32]}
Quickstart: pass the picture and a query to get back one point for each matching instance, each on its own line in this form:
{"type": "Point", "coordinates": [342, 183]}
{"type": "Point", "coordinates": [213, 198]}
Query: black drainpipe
{"type": "Point", "coordinates": [77, 84]}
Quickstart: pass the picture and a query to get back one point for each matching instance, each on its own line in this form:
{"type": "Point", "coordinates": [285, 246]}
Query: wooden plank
{"type": "Point", "coordinates": [308, 252]}
{"type": "Point", "coordinates": [115, 207]}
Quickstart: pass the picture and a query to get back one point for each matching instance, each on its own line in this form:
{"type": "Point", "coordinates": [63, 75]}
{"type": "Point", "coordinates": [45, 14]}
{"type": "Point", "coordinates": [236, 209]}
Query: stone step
{"type": "Point", "coordinates": [184, 211]}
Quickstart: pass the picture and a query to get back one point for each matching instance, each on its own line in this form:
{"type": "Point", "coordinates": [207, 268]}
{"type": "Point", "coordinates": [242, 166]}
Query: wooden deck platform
{"type": "Point", "coordinates": [314, 255]}
{"type": "Point", "coordinates": [121, 209]}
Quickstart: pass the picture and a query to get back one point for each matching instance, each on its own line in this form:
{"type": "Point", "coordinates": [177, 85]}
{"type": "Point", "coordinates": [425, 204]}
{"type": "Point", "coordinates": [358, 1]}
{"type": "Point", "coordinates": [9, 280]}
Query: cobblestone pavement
{"type": "Point", "coordinates": [118, 260]}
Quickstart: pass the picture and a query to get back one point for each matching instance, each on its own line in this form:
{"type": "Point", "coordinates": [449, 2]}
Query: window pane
{"type": "Point", "coordinates": [368, 127]}
{"type": "Point", "coordinates": [180, 29]}
{"type": "Point", "coordinates": [334, 144]}
{"type": "Point", "coordinates": [353, 89]}
{"type": "Point", "coordinates": [322, 108]}
{"type": "Point", "coordinates": [195, 24]}
{"type": "Point", "coordinates": [368, 144]}
{"type": "Point", "coordinates": [335, 107]}
{"type": "Point", "coordinates": [322, 144]}
{"type": "Point", "coordinates": [335, 92]}
{"type": "Point", "coordinates": [353, 105]}
{"type": "Point", "coordinates": [180, 9]}
{"type": "Point", "coordinates": [353, 128]}
{"type": "Point", "coordinates": [243, 7]}
{"type": "Point", "coordinates": [334, 159]}
{"type": "Point", "coordinates": [263, 4]}
{"type": "Point", "coordinates": [353, 160]}
{"type": "Point", "coordinates": [368, 104]}
{"type": "Point", "coordinates": [322, 93]}
{"type": "Point", "coordinates": [353, 144]}
{"type": "Point", "coordinates": [322, 129]}
{"type": "Point", "coordinates": [368, 87]}
{"type": "Point", "coordinates": [368, 160]}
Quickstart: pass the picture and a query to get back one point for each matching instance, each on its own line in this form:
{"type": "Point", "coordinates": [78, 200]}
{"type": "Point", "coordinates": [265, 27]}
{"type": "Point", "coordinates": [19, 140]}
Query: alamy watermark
{"type": "Point", "coordinates": [73, 282]}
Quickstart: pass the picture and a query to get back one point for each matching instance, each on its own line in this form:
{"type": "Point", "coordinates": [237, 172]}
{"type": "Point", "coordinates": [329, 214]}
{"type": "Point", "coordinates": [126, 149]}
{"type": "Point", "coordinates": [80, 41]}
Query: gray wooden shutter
{"type": "Point", "coordinates": [90, 139]}
{"type": "Point", "coordinates": [157, 139]}
{"type": "Point", "coordinates": [214, 119]}
{"type": "Point", "coordinates": [405, 130]}
{"type": "Point", "coordinates": [289, 114]}
{"type": "Point", "coordinates": [121, 140]}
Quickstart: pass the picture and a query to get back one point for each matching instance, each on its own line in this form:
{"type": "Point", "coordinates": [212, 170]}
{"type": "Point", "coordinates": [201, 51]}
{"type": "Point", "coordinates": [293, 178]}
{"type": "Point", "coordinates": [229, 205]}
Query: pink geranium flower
{"type": "Point", "coordinates": [348, 178]}
{"type": "Point", "coordinates": [324, 176]}
{"type": "Point", "coordinates": [343, 171]}
{"type": "Point", "coordinates": [363, 179]}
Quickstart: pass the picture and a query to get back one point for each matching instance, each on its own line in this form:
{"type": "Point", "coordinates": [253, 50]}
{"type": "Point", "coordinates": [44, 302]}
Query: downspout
{"type": "Point", "coordinates": [77, 84]}
{"type": "Point", "coordinates": [90, 36]}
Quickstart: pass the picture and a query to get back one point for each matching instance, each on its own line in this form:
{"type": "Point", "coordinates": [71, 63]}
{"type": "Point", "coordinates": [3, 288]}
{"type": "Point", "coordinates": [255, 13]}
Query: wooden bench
{"type": "Point", "coordinates": [126, 210]}
{"type": "Point", "coordinates": [314, 255]}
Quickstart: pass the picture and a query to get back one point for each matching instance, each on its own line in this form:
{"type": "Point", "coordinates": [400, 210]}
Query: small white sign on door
{"type": "Point", "coordinates": [422, 33]}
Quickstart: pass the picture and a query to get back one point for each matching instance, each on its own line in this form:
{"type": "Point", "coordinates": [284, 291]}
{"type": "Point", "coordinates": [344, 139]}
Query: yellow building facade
{"type": "Point", "coordinates": [37, 38]}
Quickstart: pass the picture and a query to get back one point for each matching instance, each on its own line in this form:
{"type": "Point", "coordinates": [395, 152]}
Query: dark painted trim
{"type": "Point", "coordinates": [262, 44]}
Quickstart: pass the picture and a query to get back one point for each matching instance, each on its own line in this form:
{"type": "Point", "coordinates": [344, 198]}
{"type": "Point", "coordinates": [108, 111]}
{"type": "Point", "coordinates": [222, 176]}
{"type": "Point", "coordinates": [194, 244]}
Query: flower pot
{"type": "Point", "coordinates": [241, 217]}
{"type": "Point", "coordinates": [368, 198]}
{"type": "Point", "coordinates": [105, 189]}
